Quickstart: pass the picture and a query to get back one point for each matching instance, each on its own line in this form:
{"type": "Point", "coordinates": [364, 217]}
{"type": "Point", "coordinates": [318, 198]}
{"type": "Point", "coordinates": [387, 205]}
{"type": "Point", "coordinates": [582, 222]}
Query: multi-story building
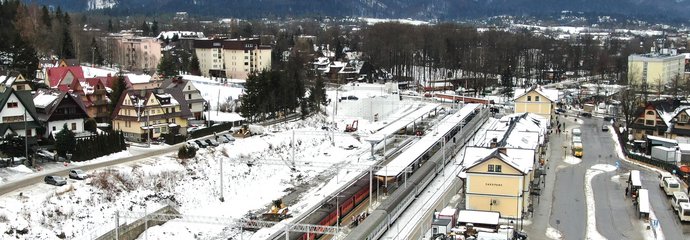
{"type": "Point", "coordinates": [232, 58]}
{"type": "Point", "coordinates": [133, 52]}
{"type": "Point", "coordinates": [144, 114]}
{"type": "Point", "coordinates": [655, 69]}
{"type": "Point", "coordinates": [56, 109]}
{"type": "Point", "coordinates": [195, 102]}
{"type": "Point", "coordinates": [536, 100]}
{"type": "Point", "coordinates": [17, 112]}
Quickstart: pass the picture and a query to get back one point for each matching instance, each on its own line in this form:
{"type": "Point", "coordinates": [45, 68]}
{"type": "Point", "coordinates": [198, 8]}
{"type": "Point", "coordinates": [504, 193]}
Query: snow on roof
{"type": "Point", "coordinates": [218, 116]}
{"type": "Point", "coordinates": [551, 94]}
{"type": "Point", "coordinates": [520, 159]}
{"type": "Point", "coordinates": [400, 123]}
{"type": "Point", "coordinates": [7, 80]}
{"type": "Point", "coordinates": [479, 217]}
{"type": "Point", "coordinates": [397, 165]}
{"type": "Point", "coordinates": [44, 99]}
{"type": "Point", "coordinates": [448, 211]}
{"type": "Point", "coordinates": [180, 34]}
{"type": "Point", "coordinates": [136, 78]}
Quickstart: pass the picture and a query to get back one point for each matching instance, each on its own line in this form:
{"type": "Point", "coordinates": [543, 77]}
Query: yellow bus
{"type": "Point", "coordinates": [577, 149]}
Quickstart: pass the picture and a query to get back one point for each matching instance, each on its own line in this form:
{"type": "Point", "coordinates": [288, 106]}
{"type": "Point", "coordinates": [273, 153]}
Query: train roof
{"type": "Point", "coordinates": [398, 165]}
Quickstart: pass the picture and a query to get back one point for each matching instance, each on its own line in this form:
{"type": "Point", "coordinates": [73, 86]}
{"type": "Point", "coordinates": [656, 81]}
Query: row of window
{"type": "Point", "coordinates": [494, 168]}
{"type": "Point", "coordinates": [536, 98]}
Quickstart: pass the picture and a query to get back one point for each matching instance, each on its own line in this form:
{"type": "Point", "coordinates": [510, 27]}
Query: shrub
{"type": "Point", "coordinates": [186, 152]}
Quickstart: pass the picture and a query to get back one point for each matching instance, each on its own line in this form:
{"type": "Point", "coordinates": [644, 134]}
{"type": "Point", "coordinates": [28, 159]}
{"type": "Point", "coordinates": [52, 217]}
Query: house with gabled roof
{"type": "Point", "coordinates": [17, 113]}
{"type": "Point", "coordinates": [16, 80]}
{"type": "Point", "coordinates": [141, 114]}
{"type": "Point", "coordinates": [679, 125]}
{"type": "Point", "coordinates": [55, 109]}
{"type": "Point", "coordinates": [498, 179]}
{"type": "Point", "coordinates": [653, 119]}
{"type": "Point", "coordinates": [63, 75]}
{"type": "Point", "coordinates": [536, 100]}
{"type": "Point", "coordinates": [195, 102]}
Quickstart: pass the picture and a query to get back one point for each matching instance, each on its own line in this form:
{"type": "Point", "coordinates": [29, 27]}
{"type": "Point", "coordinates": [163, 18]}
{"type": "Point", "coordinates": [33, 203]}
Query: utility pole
{"type": "Point", "coordinates": [222, 199]}
{"type": "Point", "coordinates": [26, 139]}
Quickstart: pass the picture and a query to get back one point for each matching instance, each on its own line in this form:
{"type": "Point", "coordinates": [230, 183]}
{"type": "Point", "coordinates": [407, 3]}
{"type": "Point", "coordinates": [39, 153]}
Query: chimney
{"type": "Point", "coordinates": [502, 150]}
{"type": "Point", "coordinates": [494, 143]}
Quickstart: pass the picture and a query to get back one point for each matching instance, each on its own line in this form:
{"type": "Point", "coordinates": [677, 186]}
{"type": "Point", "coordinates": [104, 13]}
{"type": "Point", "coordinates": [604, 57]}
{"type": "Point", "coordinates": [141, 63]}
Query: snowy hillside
{"type": "Point", "coordinates": [101, 4]}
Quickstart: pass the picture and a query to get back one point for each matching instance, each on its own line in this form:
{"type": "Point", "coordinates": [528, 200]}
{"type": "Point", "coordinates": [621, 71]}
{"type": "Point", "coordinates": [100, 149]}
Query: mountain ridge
{"type": "Point", "coordinates": [419, 9]}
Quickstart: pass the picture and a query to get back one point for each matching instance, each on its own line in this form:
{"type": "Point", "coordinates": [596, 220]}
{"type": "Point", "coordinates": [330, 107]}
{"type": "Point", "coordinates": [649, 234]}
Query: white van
{"type": "Point", "coordinates": [577, 132]}
{"type": "Point", "coordinates": [671, 185]}
{"type": "Point", "coordinates": [662, 176]}
{"type": "Point", "coordinates": [678, 198]}
{"type": "Point", "coordinates": [684, 212]}
{"type": "Point", "coordinates": [576, 139]}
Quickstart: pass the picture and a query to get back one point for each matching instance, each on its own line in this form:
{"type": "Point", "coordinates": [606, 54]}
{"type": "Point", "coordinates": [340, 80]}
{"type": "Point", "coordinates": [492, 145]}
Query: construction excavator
{"type": "Point", "coordinates": [277, 213]}
{"type": "Point", "coordinates": [242, 132]}
{"type": "Point", "coordinates": [352, 127]}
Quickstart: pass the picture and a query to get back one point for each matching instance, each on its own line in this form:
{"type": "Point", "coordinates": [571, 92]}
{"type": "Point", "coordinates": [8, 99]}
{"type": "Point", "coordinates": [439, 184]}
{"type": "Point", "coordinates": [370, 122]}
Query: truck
{"type": "Point", "coordinates": [665, 154]}
{"type": "Point", "coordinates": [577, 149]}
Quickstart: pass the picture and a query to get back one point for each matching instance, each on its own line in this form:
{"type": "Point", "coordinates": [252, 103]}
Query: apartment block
{"type": "Point", "coordinates": [232, 58]}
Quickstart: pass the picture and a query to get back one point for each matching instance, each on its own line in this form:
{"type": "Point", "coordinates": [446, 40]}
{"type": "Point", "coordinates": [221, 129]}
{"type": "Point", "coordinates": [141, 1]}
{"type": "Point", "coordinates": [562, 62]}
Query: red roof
{"type": "Point", "coordinates": [56, 74]}
{"type": "Point", "coordinates": [107, 81]}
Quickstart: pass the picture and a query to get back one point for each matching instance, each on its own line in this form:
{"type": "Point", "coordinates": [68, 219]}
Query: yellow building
{"type": "Point", "coordinates": [153, 112]}
{"type": "Point", "coordinates": [232, 58]}
{"type": "Point", "coordinates": [536, 100]}
{"type": "Point", "coordinates": [655, 69]}
{"type": "Point", "coordinates": [499, 181]}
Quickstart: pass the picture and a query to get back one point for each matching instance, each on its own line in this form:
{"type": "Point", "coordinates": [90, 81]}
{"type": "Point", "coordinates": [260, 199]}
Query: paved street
{"type": "Point", "coordinates": [563, 200]}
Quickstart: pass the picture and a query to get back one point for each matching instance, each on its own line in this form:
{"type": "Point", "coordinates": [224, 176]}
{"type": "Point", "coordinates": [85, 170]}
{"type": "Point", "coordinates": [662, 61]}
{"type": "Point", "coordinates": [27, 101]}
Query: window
{"type": "Point", "coordinates": [190, 106]}
{"type": "Point", "coordinates": [11, 119]}
{"type": "Point", "coordinates": [74, 126]}
{"type": "Point", "coordinates": [683, 118]}
{"type": "Point", "coordinates": [650, 112]}
{"type": "Point", "coordinates": [189, 96]}
{"type": "Point", "coordinates": [649, 122]}
{"type": "Point", "coordinates": [54, 128]}
{"type": "Point", "coordinates": [536, 98]}
{"type": "Point", "coordinates": [529, 98]}
{"type": "Point", "coordinates": [20, 87]}
{"type": "Point", "coordinates": [494, 168]}
{"type": "Point", "coordinates": [12, 104]}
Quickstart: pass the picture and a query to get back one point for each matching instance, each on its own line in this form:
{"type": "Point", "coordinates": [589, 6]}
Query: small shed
{"type": "Point", "coordinates": [441, 226]}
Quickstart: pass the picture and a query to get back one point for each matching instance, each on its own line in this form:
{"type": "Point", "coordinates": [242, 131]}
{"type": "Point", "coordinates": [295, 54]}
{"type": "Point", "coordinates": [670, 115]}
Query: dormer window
{"type": "Point", "coordinates": [536, 98]}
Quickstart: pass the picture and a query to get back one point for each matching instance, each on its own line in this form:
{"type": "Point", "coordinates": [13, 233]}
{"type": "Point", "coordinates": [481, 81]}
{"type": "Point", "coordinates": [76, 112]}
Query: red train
{"type": "Point", "coordinates": [345, 206]}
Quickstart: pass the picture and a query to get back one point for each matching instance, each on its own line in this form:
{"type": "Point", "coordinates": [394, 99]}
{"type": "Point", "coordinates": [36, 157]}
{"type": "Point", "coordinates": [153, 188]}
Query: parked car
{"type": "Point", "coordinates": [212, 142]}
{"type": "Point", "coordinates": [77, 174]}
{"type": "Point", "coordinates": [55, 180]}
{"type": "Point", "coordinates": [560, 110]}
{"type": "Point", "coordinates": [586, 114]}
{"type": "Point", "coordinates": [352, 98]}
{"type": "Point", "coordinates": [228, 137]}
{"type": "Point", "coordinates": [608, 118]}
{"type": "Point", "coordinates": [222, 139]}
{"type": "Point", "coordinates": [201, 144]}
{"type": "Point", "coordinates": [604, 128]}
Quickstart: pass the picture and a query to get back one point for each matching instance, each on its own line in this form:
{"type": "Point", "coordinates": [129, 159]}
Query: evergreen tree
{"type": "Point", "coordinates": [98, 58]}
{"type": "Point", "coordinates": [154, 28]}
{"type": "Point", "coordinates": [121, 138]}
{"type": "Point", "coordinates": [507, 82]}
{"type": "Point", "coordinates": [24, 57]}
{"type": "Point", "coordinates": [145, 28]}
{"type": "Point", "coordinates": [110, 25]}
{"type": "Point", "coordinates": [67, 45]}
{"type": "Point", "coordinates": [65, 142]}
{"type": "Point", "coordinates": [194, 68]}
{"type": "Point", "coordinates": [166, 66]}
{"type": "Point", "coordinates": [119, 86]}
{"type": "Point", "coordinates": [175, 38]}
{"type": "Point", "coordinates": [45, 17]}
{"type": "Point", "coordinates": [90, 125]}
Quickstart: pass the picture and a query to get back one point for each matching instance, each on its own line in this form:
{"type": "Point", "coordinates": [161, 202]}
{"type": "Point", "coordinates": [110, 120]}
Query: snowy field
{"type": "Point", "coordinates": [86, 208]}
